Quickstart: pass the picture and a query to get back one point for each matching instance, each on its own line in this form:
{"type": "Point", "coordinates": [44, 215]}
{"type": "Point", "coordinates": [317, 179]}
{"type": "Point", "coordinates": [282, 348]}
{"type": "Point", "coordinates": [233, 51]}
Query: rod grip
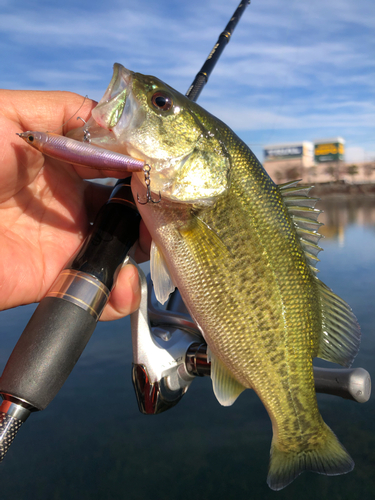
{"type": "Point", "coordinates": [65, 319]}
{"type": "Point", "coordinates": [47, 351]}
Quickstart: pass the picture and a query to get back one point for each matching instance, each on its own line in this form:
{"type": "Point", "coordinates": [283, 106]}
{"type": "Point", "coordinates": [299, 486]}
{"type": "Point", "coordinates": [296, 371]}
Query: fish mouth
{"type": "Point", "coordinates": [115, 119]}
{"type": "Point", "coordinates": [112, 105]}
{"type": "Point", "coordinates": [112, 115]}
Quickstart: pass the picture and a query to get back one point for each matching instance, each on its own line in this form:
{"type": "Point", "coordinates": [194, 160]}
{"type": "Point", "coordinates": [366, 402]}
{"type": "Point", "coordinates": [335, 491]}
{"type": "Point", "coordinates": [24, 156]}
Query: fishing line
{"type": "Point", "coordinates": [68, 120]}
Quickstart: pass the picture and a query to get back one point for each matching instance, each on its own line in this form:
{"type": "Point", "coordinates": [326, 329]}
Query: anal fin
{"type": "Point", "coordinates": [226, 388]}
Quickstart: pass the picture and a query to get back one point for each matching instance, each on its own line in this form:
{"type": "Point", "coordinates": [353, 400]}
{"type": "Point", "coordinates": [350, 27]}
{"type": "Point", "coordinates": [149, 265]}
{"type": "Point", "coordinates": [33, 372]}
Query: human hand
{"type": "Point", "coordinates": [46, 206]}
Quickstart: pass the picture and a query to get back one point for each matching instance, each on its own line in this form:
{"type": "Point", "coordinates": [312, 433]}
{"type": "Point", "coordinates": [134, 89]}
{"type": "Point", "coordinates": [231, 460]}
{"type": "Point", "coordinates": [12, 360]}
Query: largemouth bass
{"type": "Point", "coordinates": [242, 252]}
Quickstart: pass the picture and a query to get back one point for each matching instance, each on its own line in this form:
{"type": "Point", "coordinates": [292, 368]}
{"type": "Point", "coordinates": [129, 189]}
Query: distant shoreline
{"type": "Point", "coordinates": [342, 189]}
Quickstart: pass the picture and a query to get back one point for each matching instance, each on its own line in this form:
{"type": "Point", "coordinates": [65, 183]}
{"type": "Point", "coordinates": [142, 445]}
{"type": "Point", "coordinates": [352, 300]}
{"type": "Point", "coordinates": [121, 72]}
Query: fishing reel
{"type": "Point", "coordinates": [169, 352]}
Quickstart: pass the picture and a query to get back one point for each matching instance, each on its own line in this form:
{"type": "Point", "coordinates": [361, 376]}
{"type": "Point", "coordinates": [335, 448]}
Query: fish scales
{"type": "Point", "coordinates": [232, 247]}
{"type": "Point", "coordinates": [268, 306]}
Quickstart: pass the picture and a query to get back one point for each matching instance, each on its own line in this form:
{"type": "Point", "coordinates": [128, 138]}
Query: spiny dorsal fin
{"type": "Point", "coordinates": [310, 247]}
{"type": "Point", "coordinates": [304, 215]}
{"type": "Point", "coordinates": [341, 334]}
{"type": "Point", "coordinates": [306, 212]}
{"type": "Point", "coordinates": [312, 236]}
{"type": "Point", "coordinates": [289, 185]}
{"type": "Point", "coordinates": [314, 270]}
{"type": "Point", "coordinates": [301, 201]}
{"type": "Point", "coordinates": [311, 259]}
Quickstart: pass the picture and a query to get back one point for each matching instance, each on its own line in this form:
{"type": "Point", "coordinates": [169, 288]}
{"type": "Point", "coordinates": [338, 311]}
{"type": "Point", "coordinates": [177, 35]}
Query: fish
{"type": "Point", "coordinates": [242, 251]}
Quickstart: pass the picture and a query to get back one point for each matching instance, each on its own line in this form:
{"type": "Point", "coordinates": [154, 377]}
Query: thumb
{"type": "Point", "coordinates": [125, 296]}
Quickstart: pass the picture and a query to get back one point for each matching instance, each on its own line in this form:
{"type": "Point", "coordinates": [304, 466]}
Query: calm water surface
{"type": "Point", "coordinates": [92, 443]}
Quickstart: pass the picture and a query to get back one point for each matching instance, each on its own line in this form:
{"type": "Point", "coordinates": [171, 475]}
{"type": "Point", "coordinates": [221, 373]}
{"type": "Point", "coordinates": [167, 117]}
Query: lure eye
{"type": "Point", "coordinates": [30, 138]}
{"type": "Point", "coordinates": [162, 100]}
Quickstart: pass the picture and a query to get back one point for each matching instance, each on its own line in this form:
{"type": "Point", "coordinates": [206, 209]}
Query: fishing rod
{"type": "Point", "coordinates": [204, 73]}
{"type": "Point", "coordinates": [65, 319]}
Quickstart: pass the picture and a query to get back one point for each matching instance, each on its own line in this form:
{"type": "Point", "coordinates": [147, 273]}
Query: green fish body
{"type": "Point", "coordinates": [241, 250]}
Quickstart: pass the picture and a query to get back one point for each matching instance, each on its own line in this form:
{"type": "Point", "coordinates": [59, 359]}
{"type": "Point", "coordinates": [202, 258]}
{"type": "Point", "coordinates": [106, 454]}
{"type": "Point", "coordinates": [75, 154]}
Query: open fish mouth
{"type": "Point", "coordinates": [112, 115]}
{"type": "Point", "coordinates": [111, 107]}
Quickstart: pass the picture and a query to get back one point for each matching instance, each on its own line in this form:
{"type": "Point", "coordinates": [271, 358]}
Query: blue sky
{"type": "Point", "coordinates": [293, 70]}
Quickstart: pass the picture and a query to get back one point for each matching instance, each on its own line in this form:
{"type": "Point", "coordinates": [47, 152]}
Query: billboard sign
{"type": "Point", "coordinates": [330, 151]}
{"type": "Point", "coordinates": [283, 152]}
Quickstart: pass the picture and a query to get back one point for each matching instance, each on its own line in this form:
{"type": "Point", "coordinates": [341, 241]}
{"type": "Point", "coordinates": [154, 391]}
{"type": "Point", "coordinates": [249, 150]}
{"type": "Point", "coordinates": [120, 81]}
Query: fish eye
{"type": "Point", "coordinates": [162, 100]}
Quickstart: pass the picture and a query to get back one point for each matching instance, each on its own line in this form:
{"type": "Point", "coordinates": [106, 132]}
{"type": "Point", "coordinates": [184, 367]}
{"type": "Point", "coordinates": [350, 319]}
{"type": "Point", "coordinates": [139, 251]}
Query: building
{"type": "Point", "coordinates": [318, 162]}
{"type": "Point", "coordinates": [288, 161]}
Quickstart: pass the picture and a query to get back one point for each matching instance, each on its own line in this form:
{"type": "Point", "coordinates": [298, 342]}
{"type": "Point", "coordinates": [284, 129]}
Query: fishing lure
{"type": "Point", "coordinates": [81, 153]}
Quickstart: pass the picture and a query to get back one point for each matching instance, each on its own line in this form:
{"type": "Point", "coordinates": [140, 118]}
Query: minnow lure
{"type": "Point", "coordinates": [81, 153]}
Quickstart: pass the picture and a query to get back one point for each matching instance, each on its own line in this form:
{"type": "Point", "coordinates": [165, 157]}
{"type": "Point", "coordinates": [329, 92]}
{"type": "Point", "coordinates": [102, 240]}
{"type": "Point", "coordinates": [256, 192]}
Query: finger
{"type": "Point", "coordinates": [42, 111]}
{"type": "Point", "coordinates": [142, 251]}
{"type": "Point", "coordinates": [29, 110]}
{"type": "Point", "coordinates": [126, 295]}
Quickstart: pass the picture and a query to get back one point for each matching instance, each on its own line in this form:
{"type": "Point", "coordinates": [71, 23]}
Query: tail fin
{"type": "Point", "coordinates": [329, 457]}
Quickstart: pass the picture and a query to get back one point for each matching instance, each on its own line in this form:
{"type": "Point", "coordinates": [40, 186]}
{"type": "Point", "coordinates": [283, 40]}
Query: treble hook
{"type": "Point", "coordinates": [147, 172]}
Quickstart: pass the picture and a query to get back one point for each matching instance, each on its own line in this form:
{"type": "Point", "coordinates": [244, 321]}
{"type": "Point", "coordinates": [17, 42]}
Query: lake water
{"type": "Point", "coordinates": [91, 443]}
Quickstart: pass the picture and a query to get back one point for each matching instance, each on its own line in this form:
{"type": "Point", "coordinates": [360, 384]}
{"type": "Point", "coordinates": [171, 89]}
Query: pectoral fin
{"type": "Point", "coordinates": [204, 242]}
{"type": "Point", "coordinates": [161, 278]}
{"type": "Point", "coordinates": [226, 387]}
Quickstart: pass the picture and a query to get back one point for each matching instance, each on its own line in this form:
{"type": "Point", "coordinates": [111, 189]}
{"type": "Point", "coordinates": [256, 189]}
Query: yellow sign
{"type": "Point", "coordinates": [327, 149]}
{"type": "Point", "coordinates": [331, 151]}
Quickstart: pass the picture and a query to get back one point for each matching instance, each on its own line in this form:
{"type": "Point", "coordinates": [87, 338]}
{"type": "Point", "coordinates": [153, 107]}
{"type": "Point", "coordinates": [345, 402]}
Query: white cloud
{"type": "Point", "coordinates": [246, 118]}
{"type": "Point", "coordinates": [289, 66]}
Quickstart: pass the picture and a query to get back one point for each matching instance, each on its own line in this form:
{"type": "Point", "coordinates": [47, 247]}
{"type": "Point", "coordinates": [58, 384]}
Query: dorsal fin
{"type": "Point", "coordinates": [289, 184]}
{"type": "Point", "coordinates": [301, 208]}
{"type": "Point", "coordinates": [309, 235]}
{"type": "Point", "coordinates": [341, 334]}
{"type": "Point", "coordinates": [300, 200]}
{"type": "Point", "coordinates": [310, 247]}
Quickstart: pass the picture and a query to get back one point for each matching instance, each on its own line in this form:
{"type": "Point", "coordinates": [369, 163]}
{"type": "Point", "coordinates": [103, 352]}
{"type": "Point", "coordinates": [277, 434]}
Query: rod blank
{"type": "Point", "coordinates": [204, 73]}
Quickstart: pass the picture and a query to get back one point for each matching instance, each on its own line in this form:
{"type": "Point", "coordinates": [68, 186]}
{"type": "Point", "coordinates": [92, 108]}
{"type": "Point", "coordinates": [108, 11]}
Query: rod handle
{"type": "Point", "coordinates": [47, 351]}
{"type": "Point", "coordinates": [349, 383]}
